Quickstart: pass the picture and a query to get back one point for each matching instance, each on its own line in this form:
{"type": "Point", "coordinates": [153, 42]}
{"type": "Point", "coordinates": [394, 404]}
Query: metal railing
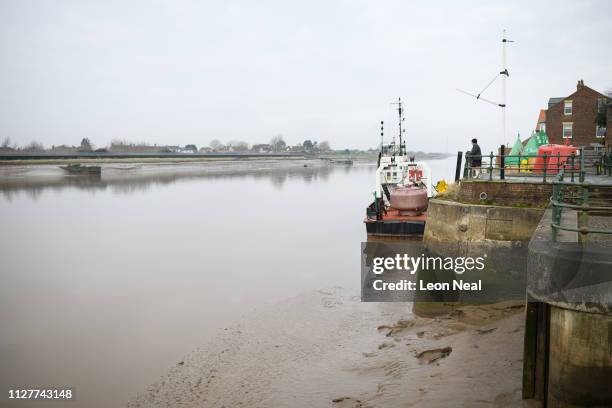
{"type": "Point", "coordinates": [537, 166]}
{"type": "Point", "coordinates": [574, 196]}
{"type": "Point", "coordinates": [603, 164]}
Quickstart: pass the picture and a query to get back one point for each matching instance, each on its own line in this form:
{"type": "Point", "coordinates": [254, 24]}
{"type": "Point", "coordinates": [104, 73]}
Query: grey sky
{"type": "Point", "coordinates": [178, 72]}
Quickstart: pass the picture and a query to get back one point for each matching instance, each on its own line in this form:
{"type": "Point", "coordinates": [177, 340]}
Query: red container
{"type": "Point", "coordinates": [409, 200]}
{"type": "Point", "coordinates": [557, 157]}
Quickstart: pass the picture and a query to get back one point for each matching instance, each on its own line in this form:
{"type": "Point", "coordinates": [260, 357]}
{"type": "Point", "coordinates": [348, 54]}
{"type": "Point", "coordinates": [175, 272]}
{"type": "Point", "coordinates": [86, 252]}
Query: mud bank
{"type": "Point", "coordinates": [326, 348]}
{"type": "Point", "coordinates": [142, 174]}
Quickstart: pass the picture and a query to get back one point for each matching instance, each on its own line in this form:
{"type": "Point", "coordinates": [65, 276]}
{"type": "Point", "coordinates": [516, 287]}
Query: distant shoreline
{"type": "Point", "coordinates": [101, 158]}
{"type": "Point", "coordinates": [50, 158]}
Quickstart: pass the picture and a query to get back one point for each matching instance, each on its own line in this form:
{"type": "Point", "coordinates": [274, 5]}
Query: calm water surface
{"type": "Point", "coordinates": [107, 283]}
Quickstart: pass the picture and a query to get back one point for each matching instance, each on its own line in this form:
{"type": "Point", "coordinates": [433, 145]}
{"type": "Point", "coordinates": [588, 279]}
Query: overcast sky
{"type": "Point", "coordinates": [177, 72]}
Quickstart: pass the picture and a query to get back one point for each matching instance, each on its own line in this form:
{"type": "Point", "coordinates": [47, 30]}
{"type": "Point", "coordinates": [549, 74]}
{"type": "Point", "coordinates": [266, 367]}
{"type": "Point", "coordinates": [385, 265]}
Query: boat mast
{"type": "Point", "coordinates": [400, 112]}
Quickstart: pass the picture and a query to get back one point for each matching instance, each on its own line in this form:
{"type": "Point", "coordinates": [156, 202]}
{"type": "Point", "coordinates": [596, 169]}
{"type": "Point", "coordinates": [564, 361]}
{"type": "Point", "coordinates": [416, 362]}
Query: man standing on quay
{"type": "Point", "coordinates": [475, 157]}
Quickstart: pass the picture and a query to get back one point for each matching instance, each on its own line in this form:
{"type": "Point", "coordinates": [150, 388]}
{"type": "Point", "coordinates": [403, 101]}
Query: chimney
{"type": "Point", "coordinates": [580, 85]}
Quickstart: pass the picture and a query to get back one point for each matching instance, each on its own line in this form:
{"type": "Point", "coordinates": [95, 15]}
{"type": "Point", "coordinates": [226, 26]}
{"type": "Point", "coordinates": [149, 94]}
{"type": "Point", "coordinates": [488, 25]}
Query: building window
{"type": "Point", "coordinates": [601, 104]}
{"type": "Point", "coordinates": [567, 108]}
{"type": "Point", "coordinates": [567, 130]}
{"type": "Point", "coordinates": [600, 131]}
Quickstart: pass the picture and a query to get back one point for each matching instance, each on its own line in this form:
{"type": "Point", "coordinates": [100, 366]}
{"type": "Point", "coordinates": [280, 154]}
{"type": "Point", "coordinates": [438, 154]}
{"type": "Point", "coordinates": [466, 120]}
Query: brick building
{"type": "Point", "coordinates": [541, 125]}
{"type": "Point", "coordinates": [575, 116]}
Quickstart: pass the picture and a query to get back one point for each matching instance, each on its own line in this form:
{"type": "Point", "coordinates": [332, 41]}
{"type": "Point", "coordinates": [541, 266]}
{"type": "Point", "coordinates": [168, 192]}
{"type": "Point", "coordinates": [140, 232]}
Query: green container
{"type": "Point", "coordinates": [536, 140]}
{"type": "Point", "coordinates": [516, 150]}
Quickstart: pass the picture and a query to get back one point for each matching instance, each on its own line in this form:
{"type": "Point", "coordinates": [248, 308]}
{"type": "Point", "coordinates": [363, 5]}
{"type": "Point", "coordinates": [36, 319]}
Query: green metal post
{"type": "Point", "coordinates": [545, 167]}
{"type": "Point", "coordinates": [491, 166]}
{"type": "Point", "coordinates": [556, 210]}
{"type": "Point", "coordinates": [583, 220]}
{"type": "Point", "coordinates": [502, 162]}
{"type": "Point", "coordinates": [598, 164]}
{"type": "Point", "coordinates": [581, 165]}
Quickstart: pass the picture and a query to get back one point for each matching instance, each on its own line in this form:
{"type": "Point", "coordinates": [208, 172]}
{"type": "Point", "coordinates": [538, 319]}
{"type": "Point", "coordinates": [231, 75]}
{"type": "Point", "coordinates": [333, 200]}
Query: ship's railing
{"type": "Point", "coordinates": [575, 196]}
{"type": "Point", "coordinates": [501, 166]}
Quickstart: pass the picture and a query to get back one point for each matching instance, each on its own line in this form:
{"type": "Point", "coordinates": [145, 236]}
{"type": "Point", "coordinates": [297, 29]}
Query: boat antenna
{"type": "Point", "coordinates": [504, 75]}
{"type": "Point", "coordinates": [382, 133]}
{"type": "Point", "coordinates": [400, 113]}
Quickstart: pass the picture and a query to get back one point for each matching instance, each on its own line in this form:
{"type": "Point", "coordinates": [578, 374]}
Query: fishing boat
{"type": "Point", "coordinates": [81, 169]}
{"type": "Point", "coordinates": [402, 191]}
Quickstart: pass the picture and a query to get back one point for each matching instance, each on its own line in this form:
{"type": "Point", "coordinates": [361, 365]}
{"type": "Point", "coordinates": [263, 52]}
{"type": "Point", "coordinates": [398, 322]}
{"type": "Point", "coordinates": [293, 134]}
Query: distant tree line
{"type": "Point", "coordinates": [276, 144]}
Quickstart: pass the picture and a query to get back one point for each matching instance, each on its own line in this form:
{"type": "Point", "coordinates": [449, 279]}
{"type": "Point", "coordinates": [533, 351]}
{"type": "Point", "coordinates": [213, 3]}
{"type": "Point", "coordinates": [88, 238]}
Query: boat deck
{"type": "Point", "coordinates": [394, 215]}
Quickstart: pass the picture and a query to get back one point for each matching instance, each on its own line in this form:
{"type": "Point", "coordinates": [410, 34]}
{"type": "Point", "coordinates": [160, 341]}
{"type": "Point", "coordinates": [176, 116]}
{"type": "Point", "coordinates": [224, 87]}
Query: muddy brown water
{"type": "Point", "coordinates": [107, 282]}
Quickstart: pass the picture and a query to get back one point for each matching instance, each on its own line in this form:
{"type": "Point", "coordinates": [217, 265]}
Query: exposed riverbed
{"type": "Point", "coordinates": [326, 349]}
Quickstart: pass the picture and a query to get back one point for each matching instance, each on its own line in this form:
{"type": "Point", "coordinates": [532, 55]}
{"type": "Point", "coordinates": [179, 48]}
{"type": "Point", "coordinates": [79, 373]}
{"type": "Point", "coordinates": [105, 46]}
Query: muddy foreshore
{"type": "Point", "coordinates": [326, 348]}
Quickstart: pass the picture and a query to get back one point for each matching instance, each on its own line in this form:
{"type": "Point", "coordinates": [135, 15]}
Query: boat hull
{"type": "Point", "coordinates": [395, 228]}
{"type": "Point", "coordinates": [392, 223]}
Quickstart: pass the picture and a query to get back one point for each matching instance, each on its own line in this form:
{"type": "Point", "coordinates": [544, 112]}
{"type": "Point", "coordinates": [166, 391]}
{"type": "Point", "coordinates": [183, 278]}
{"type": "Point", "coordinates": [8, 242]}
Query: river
{"type": "Point", "coordinates": [107, 282]}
